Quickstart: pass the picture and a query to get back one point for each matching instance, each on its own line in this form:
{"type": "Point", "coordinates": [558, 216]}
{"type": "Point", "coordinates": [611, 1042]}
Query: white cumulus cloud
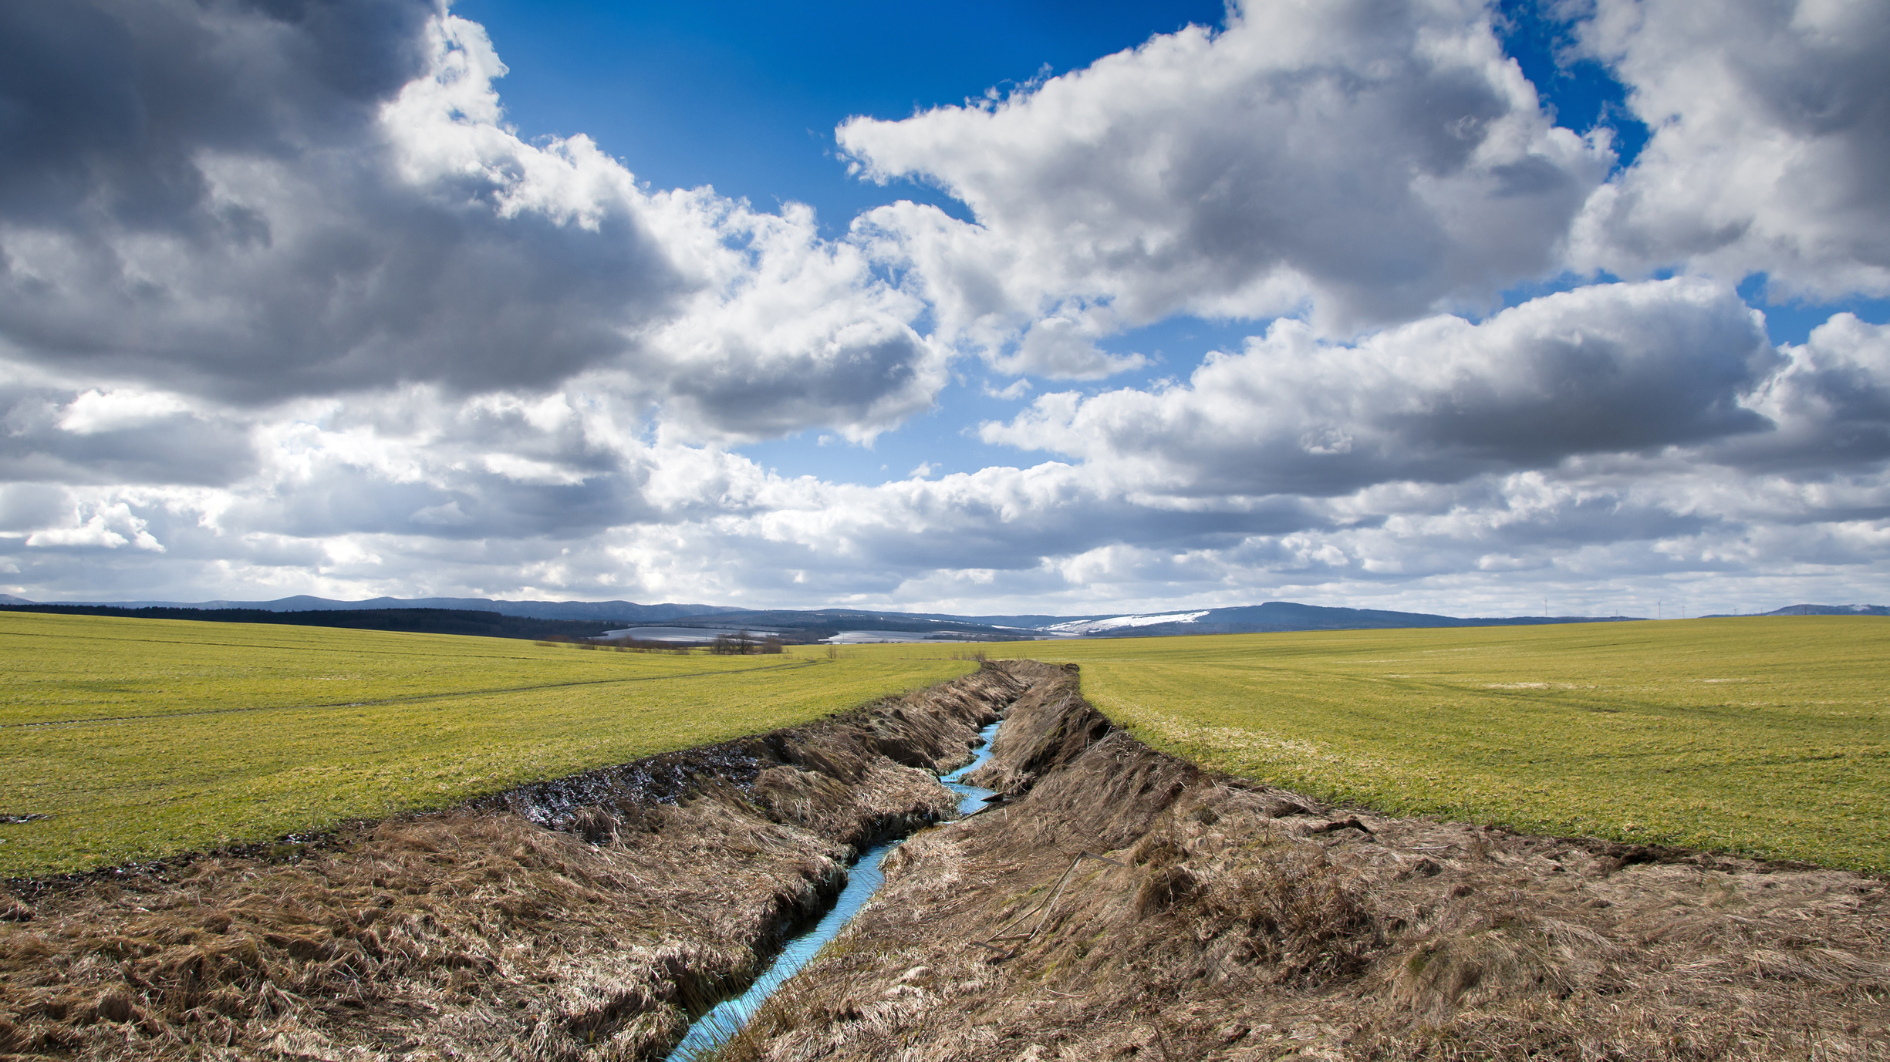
{"type": "Point", "coordinates": [1770, 126]}
{"type": "Point", "coordinates": [1359, 161]}
{"type": "Point", "coordinates": [1599, 369]}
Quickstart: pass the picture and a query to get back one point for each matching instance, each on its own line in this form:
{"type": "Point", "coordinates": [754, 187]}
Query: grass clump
{"type": "Point", "coordinates": [1761, 736]}
{"type": "Point", "coordinates": [141, 738]}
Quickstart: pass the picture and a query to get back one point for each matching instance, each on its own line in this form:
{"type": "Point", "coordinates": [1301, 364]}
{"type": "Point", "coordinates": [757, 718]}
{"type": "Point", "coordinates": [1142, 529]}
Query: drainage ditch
{"type": "Point", "coordinates": [727, 1018]}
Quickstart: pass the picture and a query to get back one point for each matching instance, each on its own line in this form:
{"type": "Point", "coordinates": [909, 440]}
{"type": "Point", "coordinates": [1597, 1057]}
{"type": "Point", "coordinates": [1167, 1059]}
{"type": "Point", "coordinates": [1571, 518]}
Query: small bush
{"type": "Point", "coordinates": [744, 643]}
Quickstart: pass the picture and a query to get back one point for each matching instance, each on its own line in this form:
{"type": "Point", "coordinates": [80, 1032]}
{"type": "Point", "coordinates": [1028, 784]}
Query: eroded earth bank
{"type": "Point", "coordinates": [1232, 921]}
{"type": "Point", "coordinates": [1119, 903]}
{"type": "Point", "coordinates": [586, 918]}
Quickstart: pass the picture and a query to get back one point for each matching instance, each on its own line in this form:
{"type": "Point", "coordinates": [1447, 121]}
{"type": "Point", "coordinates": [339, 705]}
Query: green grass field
{"type": "Point", "coordinates": [141, 738]}
{"type": "Point", "coordinates": [1762, 736]}
{"type": "Point", "coordinates": [1765, 736]}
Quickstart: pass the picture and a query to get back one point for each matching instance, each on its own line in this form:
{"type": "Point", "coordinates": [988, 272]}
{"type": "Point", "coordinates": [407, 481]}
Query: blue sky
{"type": "Point", "coordinates": [1025, 307]}
{"type": "Point", "coordinates": [746, 96]}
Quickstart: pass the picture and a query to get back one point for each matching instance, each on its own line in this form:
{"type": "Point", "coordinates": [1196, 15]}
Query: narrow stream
{"type": "Point", "coordinates": [727, 1017]}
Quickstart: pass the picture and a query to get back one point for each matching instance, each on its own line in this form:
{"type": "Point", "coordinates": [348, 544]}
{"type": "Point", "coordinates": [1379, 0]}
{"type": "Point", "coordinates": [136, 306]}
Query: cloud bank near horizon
{"type": "Point", "coordinates": [287, 307]}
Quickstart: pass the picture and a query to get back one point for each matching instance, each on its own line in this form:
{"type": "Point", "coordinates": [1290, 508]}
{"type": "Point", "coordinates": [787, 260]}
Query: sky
{"type": "Point", "coordinates": [1457, 307]}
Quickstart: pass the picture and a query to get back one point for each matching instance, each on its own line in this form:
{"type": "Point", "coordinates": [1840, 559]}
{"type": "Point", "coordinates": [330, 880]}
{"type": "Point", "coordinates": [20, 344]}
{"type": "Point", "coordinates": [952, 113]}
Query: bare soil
{"type": "Point", "coordinates": [1123, 904]}
{"type": "Point", "coordinates": [584, 918]}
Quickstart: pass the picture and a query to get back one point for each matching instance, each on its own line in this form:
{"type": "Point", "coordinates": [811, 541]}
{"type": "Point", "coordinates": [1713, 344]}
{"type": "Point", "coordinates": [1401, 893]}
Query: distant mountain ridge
{"type": "Point", "coordinates": [628, 611]}
{"type": "Point", "coordinates": [1288, 616]}
{"type": "Point", "coordinates": [1827, 610]}
{"type": "Point", "coordinates": [827, 622]}
{"type": "Point", "coordinates": [1239, 619]}
{"type": "Point", "coordinates": [409, 620]}
{"type": "Point", "coordinates": [590, 618]}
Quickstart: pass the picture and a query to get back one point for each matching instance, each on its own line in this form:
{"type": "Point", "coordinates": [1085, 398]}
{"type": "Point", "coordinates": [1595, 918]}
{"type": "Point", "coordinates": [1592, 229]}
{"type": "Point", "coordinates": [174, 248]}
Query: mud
{"type": "Point", "coordinates": [585, 918]}
{"type": "Point", "coordinates": [1123, 904]}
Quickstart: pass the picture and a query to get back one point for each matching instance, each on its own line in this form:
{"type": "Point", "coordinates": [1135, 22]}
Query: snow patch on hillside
{"type": "Point", "coordinates": [1118, 622]}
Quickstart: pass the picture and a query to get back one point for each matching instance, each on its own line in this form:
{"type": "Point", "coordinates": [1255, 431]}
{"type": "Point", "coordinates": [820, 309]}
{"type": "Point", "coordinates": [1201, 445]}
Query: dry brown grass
{"type": "Point", "coordinates": [483, 927]}
{"type": "Point", "coordinates": [478, 933]}
{"type": "Point", "coordinates": [1248, 923]}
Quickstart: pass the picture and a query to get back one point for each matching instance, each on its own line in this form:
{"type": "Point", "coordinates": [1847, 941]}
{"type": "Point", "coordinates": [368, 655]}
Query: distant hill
{"type": "Point", "coordinates": [585, 619]}
{"type": "Point", "coordinates": [411, 620]}
{"type": "Point", "coordinates": [1032, 622]}
{"type": "Point", "coordinates": [1243, 619]}
{"type": "Point", "coordinates": [1286, 616]}
{"type": "Point", "coordinates": [1827, 610]}
{"type": "Point", "coordinates": [605, 611]}
{"type": "Point", "coordinates": [817, 624]}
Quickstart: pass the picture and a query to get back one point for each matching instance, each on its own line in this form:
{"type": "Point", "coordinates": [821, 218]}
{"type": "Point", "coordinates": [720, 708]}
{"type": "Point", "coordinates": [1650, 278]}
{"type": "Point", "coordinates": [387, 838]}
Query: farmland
{"type": "Point", "coordinates": [1761, 736]}
{"type": "Point", "coordinates": [140, 738]}
{"type": "Point", "coordinates": [1768, 737]}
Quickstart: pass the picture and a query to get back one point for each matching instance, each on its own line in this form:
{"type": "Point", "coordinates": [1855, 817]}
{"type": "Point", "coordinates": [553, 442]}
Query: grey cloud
{"type": "Point", "coordinates": [1058, 347]}
{"type": "Point", "coordinates": [289, 258]}
{"type": "Point", "coordinates": [1593, 519]}
{"type": "Point", "coordinates": [973, 534]}
{"type": "Point", "coordinates": [1830, 405]}
{"type": "Point", "coordinates": [386, 290]}
{"type": "Point", "coordinates": [1060, 537]}
{"type": "Point", "coordinates": [1521, 536]}
{"type": "Point", "coordinates": [1771, 135]}
{"type": "Point", "coordinates": [105, 104]}
{"type": "Point", "coordinates": [472, 472]}
{"type": "Point", "coordinates": [873, 380]}
{"type": "Point", "coordinates": [472, 507]}
{"type": "Point", "coordinates": [1600, 369]}
{"type": "Point", "coordinates": [569, 449]}
{"type": "Point", "coordinates": [258, 202]}
{"type": "Point", "coordinates": [68, 575]}
{"type": "Point", "coordinates": [30, 506]}
{"type": "Point", "coordinates": [182, 447]}
{"type": "Point", "coordinates": [1340, 153]}
{"type": "Point", "coordinates": [996, 520]}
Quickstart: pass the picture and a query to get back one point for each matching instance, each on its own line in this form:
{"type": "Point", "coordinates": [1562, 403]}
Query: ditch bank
{"type": "Point", "coordinates": [587, 918]}
{"type": "Point", "coordinates": [1120, 903]}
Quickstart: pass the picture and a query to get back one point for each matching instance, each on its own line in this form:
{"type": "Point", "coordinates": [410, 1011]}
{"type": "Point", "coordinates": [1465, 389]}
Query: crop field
{"type": "Point", "coordinates": [140, 738]}
{"type": "Point", "coordinates": [1761, 736]}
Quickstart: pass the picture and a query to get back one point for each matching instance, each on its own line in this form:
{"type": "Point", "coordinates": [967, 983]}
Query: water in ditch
{"type": "Point", "coordinates": [727, 1017]}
